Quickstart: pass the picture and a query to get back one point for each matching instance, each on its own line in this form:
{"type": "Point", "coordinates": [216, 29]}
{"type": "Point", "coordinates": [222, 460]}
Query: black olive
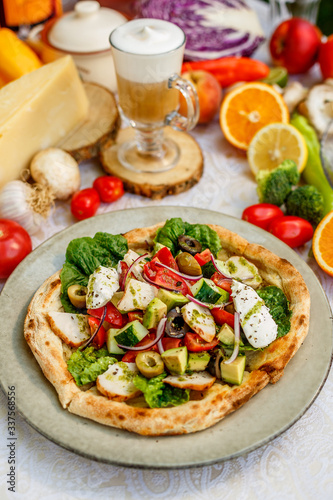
{"type": "Point", "coordinates": [175, 325]}
{"type": "Point", "coordinates": [189, 244]}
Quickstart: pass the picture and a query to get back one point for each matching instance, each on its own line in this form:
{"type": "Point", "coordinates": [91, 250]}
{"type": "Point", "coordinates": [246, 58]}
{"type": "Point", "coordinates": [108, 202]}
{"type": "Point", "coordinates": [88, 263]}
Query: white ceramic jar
{"type": "Point", "coordinates": [84, 34]}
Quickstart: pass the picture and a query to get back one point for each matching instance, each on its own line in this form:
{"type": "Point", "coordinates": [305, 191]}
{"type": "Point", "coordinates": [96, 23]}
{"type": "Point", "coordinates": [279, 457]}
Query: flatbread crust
{"type": "Point", "coordinates": [204, 408]}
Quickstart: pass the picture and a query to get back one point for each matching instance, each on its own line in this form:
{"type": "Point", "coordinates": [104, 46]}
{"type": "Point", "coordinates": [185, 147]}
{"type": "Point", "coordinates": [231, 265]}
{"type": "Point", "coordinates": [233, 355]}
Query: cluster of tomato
{"type": "Point", "coordinates": [165, 278]}
{"type": "Point", "coordinates": [85, 203]}
{"type": "Point", "coordinates": [292, 230]}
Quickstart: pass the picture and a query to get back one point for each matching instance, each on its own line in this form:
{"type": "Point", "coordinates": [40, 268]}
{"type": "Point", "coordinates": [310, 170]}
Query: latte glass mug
{"type": "Point", "coordinates": [148, 55]}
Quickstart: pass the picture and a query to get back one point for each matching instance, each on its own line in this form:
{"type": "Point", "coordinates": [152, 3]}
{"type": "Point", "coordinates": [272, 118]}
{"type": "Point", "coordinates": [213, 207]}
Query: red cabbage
{"type": "Point", "coordinates": [207, 37]}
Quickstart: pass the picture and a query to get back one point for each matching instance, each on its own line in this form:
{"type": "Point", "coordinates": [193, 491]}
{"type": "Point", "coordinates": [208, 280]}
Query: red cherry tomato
{"type": "Point", "coordinates": [109, 188]}
{"type": "Point", "coordinates": [85, 203]}
{"type": "Point", "coordinates": [261, 214]}
{"type": "Point", "coordinates": [221, 316]}
{"type": "Point", "coordinates": [135, 315]}
{"type": "Point", "coordinates": [326, 58]}
{"type": "Point", "coordinates": [100, 338]}
{"type": "Point", "coordinates": [171, 343]}
{"type": "Point", "coordinates": [222, 282]}
{"type": "Point", "coordinates": [203, 257]}
{"type": "Point", "coordinates": [130, 356]}
{"type": "Point", "coordinates": [113, 316]}
{"type": "Point", "coordinates": [15, 244]}
{"type": "Point", "coordinates": [171, 281]}
{"type": "Point", "coordinates": [292, 230]}
{"type": "Point", "coordinates": [195, 343]}
{"type": "Point", "coordinates": [165, 256]}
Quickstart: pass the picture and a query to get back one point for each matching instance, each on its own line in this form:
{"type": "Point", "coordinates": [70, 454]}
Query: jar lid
{"type": "Point", "coordinates": [86, 29]}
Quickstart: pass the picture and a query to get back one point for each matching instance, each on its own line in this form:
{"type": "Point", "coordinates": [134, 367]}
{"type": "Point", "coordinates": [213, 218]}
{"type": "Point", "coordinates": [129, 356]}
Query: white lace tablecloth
{"type": "Point", "coordinates": [296, 465]}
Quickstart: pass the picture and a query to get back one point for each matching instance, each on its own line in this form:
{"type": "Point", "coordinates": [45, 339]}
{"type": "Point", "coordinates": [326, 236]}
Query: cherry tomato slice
{"type": "Point", "coordinates": [222, 282]}
{"type": "Point", "coordinates": [292, 230]}
{"type": "Point", "coordinates": [100, 338]}
{"type": "Point", "coordinates": [203, 257]}
{"type": "Point", "coordinates": [113, 316]}
{"type": "Point", "coordinates": [165, 256]}
{"type": "Point", "coordinates": [135, 315]}
{"type": "Point", "coordinates": [195, 343]}
{"type": "Point", "coordinates": [85, 203]}
{"type": "Point", "coordinates": [15, 244]}
{"type": "Point", "coordinates": [221, 316]}
{"type": "Point", "coordinates": [130, 356]}
{"type": "Point", "coordinates": [261, 214]}
{"type": "Point", "coordinates": [168, 279]}
{"type": "Point", "coordinates": [169, 343]}
{"type": "Point", "coordinates": [109, 188]}
{"type": "Point", "coordinates": [150, 270]}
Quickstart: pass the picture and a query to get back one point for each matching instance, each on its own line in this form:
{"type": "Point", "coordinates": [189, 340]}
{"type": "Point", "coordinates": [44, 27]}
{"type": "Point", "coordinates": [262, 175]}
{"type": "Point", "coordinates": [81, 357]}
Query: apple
{"type": "Point", "coordinates": [295, 45]}
{"type": "Point", "coordinates": [326, 58]}
{"type": "Point", "coordinates": [209, 93]}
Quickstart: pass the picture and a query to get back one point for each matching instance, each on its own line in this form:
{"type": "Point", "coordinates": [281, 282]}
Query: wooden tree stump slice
{"type": "Point", "coordinates": [182, 177]}
{"type": "Point", "coordinates": [100, 128]}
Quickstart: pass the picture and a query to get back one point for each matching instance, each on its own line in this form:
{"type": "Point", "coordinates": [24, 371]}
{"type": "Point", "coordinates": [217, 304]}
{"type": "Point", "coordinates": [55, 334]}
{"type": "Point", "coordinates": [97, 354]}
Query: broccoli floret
{"type": "Point", "coordinates": [275, 185]}
{"type": "Point", "coordinates": [306, 202]}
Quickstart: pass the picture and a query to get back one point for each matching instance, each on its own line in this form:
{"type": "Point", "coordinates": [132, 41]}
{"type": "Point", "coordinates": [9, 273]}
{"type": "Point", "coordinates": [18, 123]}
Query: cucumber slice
{"type": "Point", "coordinates": [205, 290]}
{"type": "Point", "coordinates": [131, 334]}
{"type": "Point", "coordinates": [111, 343]}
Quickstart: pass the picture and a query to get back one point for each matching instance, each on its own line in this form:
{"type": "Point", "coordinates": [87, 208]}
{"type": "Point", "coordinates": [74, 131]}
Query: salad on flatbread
{"type": "Point", "coordinates": [166, 329]}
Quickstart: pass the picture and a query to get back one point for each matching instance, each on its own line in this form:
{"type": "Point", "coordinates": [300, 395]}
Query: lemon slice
{"type": "Point", "coordinates": [273, 144]}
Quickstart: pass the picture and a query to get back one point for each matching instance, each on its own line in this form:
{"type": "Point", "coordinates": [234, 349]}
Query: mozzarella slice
{"type": "Point", "coordinates": [131, 257]}
{"type": "Point", "coordinates": [137, 296]}
{"type": "Point", "coordinates": [73, 329]}
{"type": "Point", "coordinates": [258, 325]}
{"type": "Point", "coordinates": [117, 382]}
{"type": "Point", "coordinates": [196, 381]}
{"type": "Point", "coordinates": [200, 320]}
{"type": "Point", "coordinates": [102, 284]}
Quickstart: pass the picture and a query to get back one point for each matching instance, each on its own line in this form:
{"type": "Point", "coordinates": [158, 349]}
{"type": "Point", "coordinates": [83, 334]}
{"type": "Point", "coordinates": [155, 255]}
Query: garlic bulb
{"type": "Point", "coordinates": [55, 168]}
{"type": "Point", "coordinates": [26, 204]}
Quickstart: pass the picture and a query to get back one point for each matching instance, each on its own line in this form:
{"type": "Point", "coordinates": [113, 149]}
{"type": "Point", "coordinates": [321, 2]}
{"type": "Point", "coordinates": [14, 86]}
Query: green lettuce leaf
{"type": "Point", "coordinates": [207, 236]}
{"type": "Point", "coordinates": [160, 395]}
{"type": "Point", "coordinates": [278, 306]}
{"type": "Point", "coordinates": [84, 255]}
{"type": "Point", "coordinates": [86, 365]}
{"type": "Point", "coordinates": [169, 233]}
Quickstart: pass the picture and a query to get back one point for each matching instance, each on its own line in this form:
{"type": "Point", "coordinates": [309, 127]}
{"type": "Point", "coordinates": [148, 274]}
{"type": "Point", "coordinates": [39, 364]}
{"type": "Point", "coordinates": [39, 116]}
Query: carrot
{"type": "Point", "coordinates": [230, 70]}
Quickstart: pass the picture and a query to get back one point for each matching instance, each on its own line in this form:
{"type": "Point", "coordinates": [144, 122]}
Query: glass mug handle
{"type": "Point", "coordinates": [175, 119]}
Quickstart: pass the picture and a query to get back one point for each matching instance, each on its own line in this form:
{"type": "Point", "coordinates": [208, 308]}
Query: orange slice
{"type": "Point", "coordinates": [249, 107]}
{"type": "Point", "coordinates": [322, 244]}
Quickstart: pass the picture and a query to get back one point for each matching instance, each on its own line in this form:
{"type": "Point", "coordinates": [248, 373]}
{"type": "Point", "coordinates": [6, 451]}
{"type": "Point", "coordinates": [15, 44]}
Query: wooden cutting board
{"type": "Point", "coordinates": [182, 177]}
{"type": "Point", "coordinates": [100, 128]}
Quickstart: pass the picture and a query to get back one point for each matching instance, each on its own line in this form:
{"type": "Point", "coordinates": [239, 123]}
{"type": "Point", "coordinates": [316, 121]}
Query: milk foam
{"type": "Point", "coordinates": [147, 50]}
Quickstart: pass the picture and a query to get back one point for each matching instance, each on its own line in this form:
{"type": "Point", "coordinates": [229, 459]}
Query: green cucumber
{"type": "Point", "coordinates": [205, 290]}
{"type": "Point", "coordinates": [131, 334]}
{"type": "Point", "coordinates": [111, 343]}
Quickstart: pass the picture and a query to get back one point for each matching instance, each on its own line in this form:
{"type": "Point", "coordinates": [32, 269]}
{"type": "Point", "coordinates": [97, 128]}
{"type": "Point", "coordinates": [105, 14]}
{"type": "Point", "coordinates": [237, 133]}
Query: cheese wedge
{"type": "Point", "coordinates": [36, 111]}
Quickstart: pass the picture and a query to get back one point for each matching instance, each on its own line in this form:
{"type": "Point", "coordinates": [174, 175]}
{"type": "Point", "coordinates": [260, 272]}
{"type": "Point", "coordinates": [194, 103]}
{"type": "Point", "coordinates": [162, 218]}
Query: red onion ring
{"type": "Point", "coordinates": [182, 275]}
{"type": "Point", "coordinates": [136, 261]}
{"type": "Point", "coordinates": [159, 334]}
{"type": "Point", "coordinates": [97, 329]}
{"type": "Point", "coordinates": [237, 340]}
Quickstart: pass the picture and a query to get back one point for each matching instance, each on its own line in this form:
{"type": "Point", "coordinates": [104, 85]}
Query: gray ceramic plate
{"type": "Point", "coordinates": [264, 417]}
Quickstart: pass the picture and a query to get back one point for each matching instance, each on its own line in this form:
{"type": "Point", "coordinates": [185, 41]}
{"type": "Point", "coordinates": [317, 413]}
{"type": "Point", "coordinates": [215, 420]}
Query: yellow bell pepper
{"type": "Point", "coordinates": [16, 57]}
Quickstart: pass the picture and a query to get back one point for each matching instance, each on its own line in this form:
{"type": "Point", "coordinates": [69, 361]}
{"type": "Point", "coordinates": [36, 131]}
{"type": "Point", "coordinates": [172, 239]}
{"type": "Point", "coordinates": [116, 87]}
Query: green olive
{"type": "Point", "coordinates": [187, 264]}
{"type": "Point", "coordinates": [77, 295]}
{"type": "Point", "coordinates": [149, 363]}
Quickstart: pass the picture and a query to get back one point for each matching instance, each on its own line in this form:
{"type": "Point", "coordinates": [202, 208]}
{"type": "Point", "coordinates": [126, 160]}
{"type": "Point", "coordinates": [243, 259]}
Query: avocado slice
{"type": "Point", "coordinates": [154, 313]}
{"type": "Point", "coordinates": [233, 372]}
{"type": "Point", "coordinates": [198, 361]}
{"type": "Point", "coordinates": [171, 299]}
{"type": "Point", "coordinates": [176, 359]}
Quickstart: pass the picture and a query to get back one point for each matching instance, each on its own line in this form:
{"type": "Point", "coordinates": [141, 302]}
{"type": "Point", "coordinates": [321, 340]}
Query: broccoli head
{"type": "Point", "coordinates": [275, 185]}
{"type": "Point", "coordinates": [306, 202]}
